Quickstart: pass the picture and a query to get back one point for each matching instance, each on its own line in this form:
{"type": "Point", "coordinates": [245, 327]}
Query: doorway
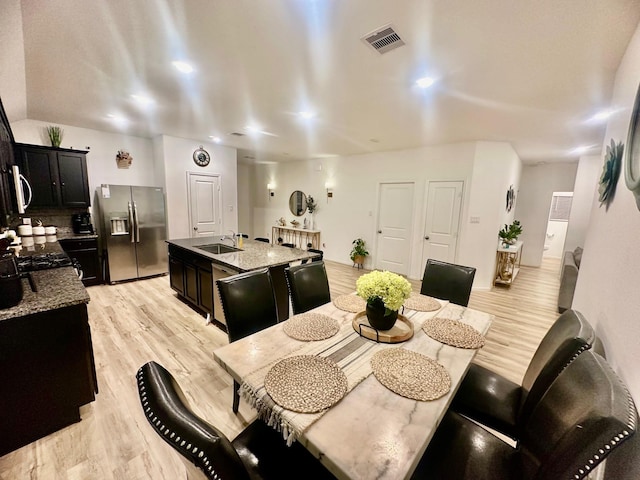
{"type": "Point", "coordinates": [395, 226]}
{"type": "Point", "coordinates": [205, 199]}
{"type": "Point", "coordinates": [557, 224]}
{"type": "Point", "coordinates": [442, 222]}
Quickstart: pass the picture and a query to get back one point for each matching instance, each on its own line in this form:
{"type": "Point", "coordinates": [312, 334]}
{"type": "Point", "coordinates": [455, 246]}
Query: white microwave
{"type": "Point", "coordinates": [18, 182]}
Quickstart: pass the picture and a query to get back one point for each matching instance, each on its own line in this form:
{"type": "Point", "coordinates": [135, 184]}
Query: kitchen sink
{"type": "Point", "coordinates": [218, 248]}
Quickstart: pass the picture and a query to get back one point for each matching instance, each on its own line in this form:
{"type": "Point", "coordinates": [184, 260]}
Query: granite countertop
{"type": "Point", "coordinates": [252, 255]}
{"type": "Point", "coordinates": [57, 288]}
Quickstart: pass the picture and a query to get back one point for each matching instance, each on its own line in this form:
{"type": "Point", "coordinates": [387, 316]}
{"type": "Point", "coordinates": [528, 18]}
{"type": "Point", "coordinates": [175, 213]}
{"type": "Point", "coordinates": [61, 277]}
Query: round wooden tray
{"type": "Point", "coordinates": [400, 332]}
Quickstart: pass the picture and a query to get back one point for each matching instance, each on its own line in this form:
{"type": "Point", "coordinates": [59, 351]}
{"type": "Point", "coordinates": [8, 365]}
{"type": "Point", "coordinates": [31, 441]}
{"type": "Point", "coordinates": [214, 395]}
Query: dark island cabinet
{"type": "Point", "coordinates": [85, 251]}
{"type": "Point", "coordinates": [58, 176]}
{"type": "Point", "coordinates": [192, 277]}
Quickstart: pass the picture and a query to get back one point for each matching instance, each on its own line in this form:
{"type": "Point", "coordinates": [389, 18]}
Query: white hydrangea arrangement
{"type": "Point", "coordinates": [391, 288]}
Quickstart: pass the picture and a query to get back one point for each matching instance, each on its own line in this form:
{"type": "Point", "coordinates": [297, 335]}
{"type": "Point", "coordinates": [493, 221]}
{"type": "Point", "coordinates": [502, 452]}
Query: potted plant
{"type": "Point", "coordinates": [510, 233]}
{"type": "Point", "coordinates": [358, 252]}
{"type": "Point", "coordinates": [55, 135]}
{"type": "Point", "coordinates": [384, 292]}
{"type": "Point", "coordinates": [312, 206]}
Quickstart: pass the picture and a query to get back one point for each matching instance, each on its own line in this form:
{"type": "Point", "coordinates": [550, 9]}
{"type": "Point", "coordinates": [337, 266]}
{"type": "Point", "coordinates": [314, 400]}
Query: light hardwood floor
{"type": "Point", "coordinates": [133, 323]}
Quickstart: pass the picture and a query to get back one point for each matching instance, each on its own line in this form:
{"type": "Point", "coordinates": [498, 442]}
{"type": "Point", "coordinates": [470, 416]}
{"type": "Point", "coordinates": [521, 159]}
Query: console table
{"type": "Point", "coordinates": [507, 263]}
{"type": "Point", "coordinates": [298, 236]}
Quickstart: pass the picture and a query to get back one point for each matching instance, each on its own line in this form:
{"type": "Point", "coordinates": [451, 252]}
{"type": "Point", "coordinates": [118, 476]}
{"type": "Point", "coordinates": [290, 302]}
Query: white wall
{"type": "Point", "coordinates": [13, 83]}
{"type": "Point", "coordinates": [245, 199]}
{"type": "Point", "coordinates": [607, 288]}
{"type": "Point", "coordinates": [537, 185]}
{"type": "Point", "coordinates": [584, 191]}
{"type": "Point", "coordinates": [352, 212]}
{"type": "Point", "coordinates": [177, 155]}
{"type": "Point", "coordinates": [496, 167]}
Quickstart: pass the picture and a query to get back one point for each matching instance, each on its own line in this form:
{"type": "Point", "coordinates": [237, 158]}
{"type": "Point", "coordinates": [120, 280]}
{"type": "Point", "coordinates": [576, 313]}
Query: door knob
{"type": "Point", "coordinates": [379, 231]}
{"type": "Point", "coordinates": [427, 237]}
{"type": "Point", "coordinates": [195, 229]}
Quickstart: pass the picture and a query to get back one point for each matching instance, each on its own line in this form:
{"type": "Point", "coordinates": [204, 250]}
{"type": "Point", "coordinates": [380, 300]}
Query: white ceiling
{"type": "Point", "coordinates": [526, 72]}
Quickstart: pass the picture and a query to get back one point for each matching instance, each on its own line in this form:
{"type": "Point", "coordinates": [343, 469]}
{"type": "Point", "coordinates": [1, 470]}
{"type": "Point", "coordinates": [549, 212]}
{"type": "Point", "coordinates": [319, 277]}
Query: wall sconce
{"type": "Point", "coordinates": [271, 187]}
{"type": "Point", "coordinates": [329, 191]}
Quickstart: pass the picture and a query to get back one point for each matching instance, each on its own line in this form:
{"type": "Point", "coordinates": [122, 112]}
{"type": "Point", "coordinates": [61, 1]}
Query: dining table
{"type": "Point", "coordinates": [371, 432]}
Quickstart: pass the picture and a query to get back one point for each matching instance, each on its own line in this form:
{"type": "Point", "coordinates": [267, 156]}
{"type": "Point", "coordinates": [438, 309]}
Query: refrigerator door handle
{"type": "Point", "coordinates": [135, 219]}
{"type": "Point", "coordinates": [132, 234]}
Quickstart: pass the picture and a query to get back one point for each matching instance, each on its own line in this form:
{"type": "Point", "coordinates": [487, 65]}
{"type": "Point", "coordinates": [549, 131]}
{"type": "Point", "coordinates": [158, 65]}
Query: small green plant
{"type": "Point", "coordinates": [510, 233]}
{"type": "Point", "coordinates": [55, 135]}
{"type": "Point", "coordinates": [312, 206]}
{"type": "Point", "coordinates": [359, 249]}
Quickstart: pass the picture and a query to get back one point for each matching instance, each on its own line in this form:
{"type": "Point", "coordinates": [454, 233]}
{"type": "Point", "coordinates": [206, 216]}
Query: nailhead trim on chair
{"type": "Point", "coordinates": [607, 448]}
{"type": "Point", "coordinates": [155, 422]}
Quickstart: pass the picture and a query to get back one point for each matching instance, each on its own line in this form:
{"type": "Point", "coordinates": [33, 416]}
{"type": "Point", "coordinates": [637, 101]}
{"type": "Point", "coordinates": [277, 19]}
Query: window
{"type": "Point", "coordinates": [560, 207]}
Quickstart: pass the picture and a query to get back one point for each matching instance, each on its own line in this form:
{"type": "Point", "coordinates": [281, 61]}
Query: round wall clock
{"type": "Point", "coordinates": [632, 153]}
{"type": "Point", "coordinates": [201, 157]}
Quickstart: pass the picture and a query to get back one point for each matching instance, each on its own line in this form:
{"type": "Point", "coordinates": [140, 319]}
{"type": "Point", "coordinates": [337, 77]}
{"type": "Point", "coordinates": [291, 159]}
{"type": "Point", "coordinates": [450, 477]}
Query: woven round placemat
{"type": "Point", "coordinates": [311, 326]}
{"type": "Point", "coordinates": [306, 383]}
{"type": "Point", "coordinates": [422, 303]}
{"type": "Point", "coordinates": [453, 332]}
{"type": "Point", "coordinates": [350, 303]}
{"type": "Point", "coordinates": [410, 374]}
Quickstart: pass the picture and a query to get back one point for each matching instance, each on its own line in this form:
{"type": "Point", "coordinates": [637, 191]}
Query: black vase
{"type": "Point", "coordinates": [377, 318]}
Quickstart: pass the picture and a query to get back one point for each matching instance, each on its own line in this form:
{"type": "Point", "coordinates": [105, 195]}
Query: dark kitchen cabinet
{"type": "Point", "coordinates": [85, 251]}
{"type": "Point", "coordinates": [192, 277]}
{"type": "Point", "coordinates": [58, 176]}
{"type": "Point", "coordinates": [47, 371]}
{"type": "Point", "coordinates": [6, 160]}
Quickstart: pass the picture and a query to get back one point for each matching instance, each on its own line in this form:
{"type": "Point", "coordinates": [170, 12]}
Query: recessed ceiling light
{"type": "Point", "coordinates": [603, 115]}
{"type": "Point", "coordinates": [182, 67]}
{"type": "Point", "coordinates": [215, 139]}
{"type": "Point", "coordinates": [307, 114]}
{"type": "Point", "coordinates": [582, 149]}
{"type": "Point", "coordinates": [425, 82]}
{"type": "Point", "coordinates": [117, 119]}
{"type": "Point", "coordinates": [142, 99]}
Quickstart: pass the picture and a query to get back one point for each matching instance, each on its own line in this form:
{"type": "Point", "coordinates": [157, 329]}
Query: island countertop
{"type": "Point", "coordinates": [252, 256]}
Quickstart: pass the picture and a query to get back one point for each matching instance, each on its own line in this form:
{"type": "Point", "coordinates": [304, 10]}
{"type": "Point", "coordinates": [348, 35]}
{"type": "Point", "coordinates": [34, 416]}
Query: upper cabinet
{"type": "Point", "coordinates": [6, 160]}
{"type": "Point", "coordinates": [58, 176]}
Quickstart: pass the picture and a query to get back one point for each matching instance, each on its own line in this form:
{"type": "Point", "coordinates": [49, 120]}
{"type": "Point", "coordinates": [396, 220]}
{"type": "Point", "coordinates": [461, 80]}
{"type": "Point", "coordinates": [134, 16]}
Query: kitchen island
{"type": "Point", "coordinates": [46, 357]}
{"type": "Point", "coordinates": [194, 271]}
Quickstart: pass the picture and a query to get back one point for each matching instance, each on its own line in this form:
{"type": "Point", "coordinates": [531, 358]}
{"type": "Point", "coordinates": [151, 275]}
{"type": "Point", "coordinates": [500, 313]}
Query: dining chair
{"type": "Point", "coordinates": [290, 245]}
{"type": "Point", "coordinates": [503, 405]}
{"type": "Point", "coordinates": [249, 305]}
{"type": "Point", "coordinates": [316, 259]}
{"type": "Point", "coordinates": [585, 415]}
{"type": "Point", "coordinates": [262, 239]}
{"type": "Point", "coordinates": [258, 452]}
{"type": "Point", "coordinates": [448, 281]}
{"type": "Point", "coordinates": [308, 286]}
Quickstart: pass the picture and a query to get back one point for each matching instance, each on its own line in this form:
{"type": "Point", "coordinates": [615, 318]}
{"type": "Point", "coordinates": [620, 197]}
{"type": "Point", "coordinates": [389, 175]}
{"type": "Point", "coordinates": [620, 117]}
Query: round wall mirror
{"type": "Point", "coordinates": [298, 203]}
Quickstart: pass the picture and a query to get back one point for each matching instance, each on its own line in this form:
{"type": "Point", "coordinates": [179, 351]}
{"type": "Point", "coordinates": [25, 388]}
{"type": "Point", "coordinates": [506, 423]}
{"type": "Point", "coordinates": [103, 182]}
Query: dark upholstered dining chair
{"type": "Point", "coordinates": [258, 452]}
{"type": "Point", "coordinates": [586, 414]}
{"type": "Point", "coordinates": [262, 239]}
{"type": "Point", "coordinates": [249, 305]}
{"type": "Point", "coordinates": [501, 404]}
{"type": "Point", "coordinates": [308, 286]}
{"type": "Point", "coordinates": [448, 281]}
{"type": "Point", "coordinates": [316, 259]}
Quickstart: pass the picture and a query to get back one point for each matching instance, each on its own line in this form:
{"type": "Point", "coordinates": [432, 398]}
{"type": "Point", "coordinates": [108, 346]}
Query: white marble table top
{"type": "Point", "coordinates": [372, 432]}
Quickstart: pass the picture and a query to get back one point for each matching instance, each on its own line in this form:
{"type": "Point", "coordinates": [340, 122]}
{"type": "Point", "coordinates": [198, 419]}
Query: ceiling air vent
{"type": "Point", "coordinates": [383, 39]}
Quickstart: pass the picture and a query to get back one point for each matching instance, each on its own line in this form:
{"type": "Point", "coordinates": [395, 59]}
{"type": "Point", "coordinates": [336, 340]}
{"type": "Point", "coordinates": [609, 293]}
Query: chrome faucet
{"type": "Point", "coordinates": [234, 238]}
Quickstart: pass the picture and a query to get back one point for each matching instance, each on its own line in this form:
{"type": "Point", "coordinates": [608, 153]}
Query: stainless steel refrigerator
{"type": "Point", "coordinates": [134, 231]}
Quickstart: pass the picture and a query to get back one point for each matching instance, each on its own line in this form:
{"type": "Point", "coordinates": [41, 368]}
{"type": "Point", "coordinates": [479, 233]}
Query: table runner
{"type": "Point", "coordinates": [348, 349]}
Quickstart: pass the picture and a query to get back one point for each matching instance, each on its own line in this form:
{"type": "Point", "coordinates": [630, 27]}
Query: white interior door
{"type": "Point", "coordinates": [395, 221]}
{"type": "Point", "coordinates": [205, 214]}
{"type": "Point", "coordinates": [444, 201]}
